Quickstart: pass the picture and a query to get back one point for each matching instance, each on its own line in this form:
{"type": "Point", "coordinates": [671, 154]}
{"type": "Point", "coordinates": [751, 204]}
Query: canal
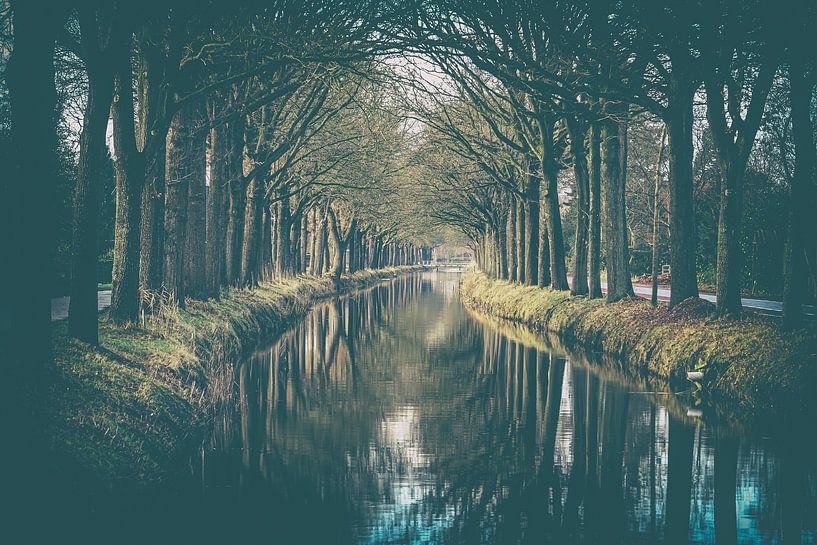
{"type": "Point", "coordinates": [395, 415]}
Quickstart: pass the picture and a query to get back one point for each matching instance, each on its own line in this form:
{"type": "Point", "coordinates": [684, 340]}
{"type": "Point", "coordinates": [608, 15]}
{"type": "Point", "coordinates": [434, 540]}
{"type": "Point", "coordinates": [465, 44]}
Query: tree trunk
{"type": "Point", "coordinates": [319, 244]}
{"type": "Point", "coordinates": [340, 243]}
{"type": "Point", "coordinates": [284, 230]}
{"type": "Point", "coordinates": [502, 241]}
{"type": "Point", "coordinates": [801, 199]}
{"type": "Point", "coordinates": [154, 127]}
{"type": "Point", "coordinates": [177, 181]}
{"type": "Point", "coordinates": [253, 234]}
{"type": "Point", "coordinates": [619, 284]}
{"type": "Point", "coordinates": [237, 203]}
{"type": "Point", "coordinates": [83, 309]}
{"type": "Point", "coordinates": [130, 177]}
{"type": "Point", "coordinates": [521, 246]}
{"type": "Point", "coordinates": [532, 200]}
{"type": "Point", "coordinates": [303, 238]}
{"type": "Point", "coordinates": [656, 216]}
{"type": "Point", "coordinates": [267, 260]}
{"type": "Point", "coordinates": [512, 260]}
{"type": "Point", "coordinates": [544, 250]}
{"type": "Point", "coordinates": [27, 196]}
{"type": "Point", "coordinates": [578, 134]}
{"type": "Point", "coordinates": [682, 210]}
{"type": "Point", "coordinates": [216, 250]}
{"type": "Point", "coordinates": [729, 258]}
{"type": "Point", "coordinates": [558, 270]}
{"type": "Point", "coordinates": [594, 244]}
{"type": "Point", "coordinates": [194, 268]}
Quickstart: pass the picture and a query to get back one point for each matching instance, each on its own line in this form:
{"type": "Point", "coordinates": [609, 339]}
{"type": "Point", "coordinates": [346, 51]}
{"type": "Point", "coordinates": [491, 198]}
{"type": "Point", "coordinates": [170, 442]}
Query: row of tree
{"type": "Point", "coordinates": [248, 142]}
{"type": "Point", "coordinates": [535, 105]}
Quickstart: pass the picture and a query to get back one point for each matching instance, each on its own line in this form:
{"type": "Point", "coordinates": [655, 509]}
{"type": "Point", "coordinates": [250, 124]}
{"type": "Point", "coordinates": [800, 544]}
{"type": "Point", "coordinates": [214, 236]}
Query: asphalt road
{"type": "Point", "coordinates": [59, 305]}
{"type": "Point", "coordinates": [758, 305]}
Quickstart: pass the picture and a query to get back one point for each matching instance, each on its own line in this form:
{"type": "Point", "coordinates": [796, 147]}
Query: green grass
{"type": "Point", "coordinates": [102, 287]}
{"type": "Point", "coordinates": [130, 408]}
{"type": "Point", "coordinates": [747, 361]}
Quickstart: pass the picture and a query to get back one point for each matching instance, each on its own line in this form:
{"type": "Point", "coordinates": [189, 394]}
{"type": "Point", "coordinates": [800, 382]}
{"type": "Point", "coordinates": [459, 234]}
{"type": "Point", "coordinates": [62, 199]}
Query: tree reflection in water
{"type": "Point", "coordinates": [396, 416]}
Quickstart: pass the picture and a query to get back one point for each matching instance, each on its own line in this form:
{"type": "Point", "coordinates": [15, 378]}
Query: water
{"type": "Point", "coordinates": [397, 416]}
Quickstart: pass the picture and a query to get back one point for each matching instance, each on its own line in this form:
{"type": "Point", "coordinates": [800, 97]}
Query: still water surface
{"type": "Point", "coordinates": [397, 416]}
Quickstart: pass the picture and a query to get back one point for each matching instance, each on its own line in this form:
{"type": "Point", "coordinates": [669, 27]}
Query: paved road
{"type": "Point", "coordinates": [759, 305]}
{"type": "Point", "coordinates": [59, 305]}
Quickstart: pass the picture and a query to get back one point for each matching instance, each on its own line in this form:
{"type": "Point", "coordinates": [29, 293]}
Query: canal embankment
{"type": "Point", "coordinates": [748, 362]}
{"type": "Point", "coordinates": [131, 408]}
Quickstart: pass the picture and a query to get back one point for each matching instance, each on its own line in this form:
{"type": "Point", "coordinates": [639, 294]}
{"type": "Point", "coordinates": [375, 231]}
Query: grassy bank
{"type": "Point", "coordinates": [748, 361]}
{"type": "Point", "coordinates": [130, 409]}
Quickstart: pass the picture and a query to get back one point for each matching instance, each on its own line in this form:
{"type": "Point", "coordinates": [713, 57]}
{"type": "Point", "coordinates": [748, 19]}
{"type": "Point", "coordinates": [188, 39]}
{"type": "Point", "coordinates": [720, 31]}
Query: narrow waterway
{"type": "Point", "coordinates": [397, 416]}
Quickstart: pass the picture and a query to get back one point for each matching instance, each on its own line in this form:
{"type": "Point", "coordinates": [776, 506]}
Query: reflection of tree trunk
{"type": "Point", "coordinates": [578, 473]}
{"type": "Point", "coordinates": [556, 374]}
{"type": "Point", "coordinates": [614, 433]}
{"type": "Point", "coordinates": [726, 467]}
{"type": "Point", "coordinates": [591, 502]}
{"type": "Point", "coordinates": [793, 492]}
{"type": "Point", "coordinates": [679, 481]}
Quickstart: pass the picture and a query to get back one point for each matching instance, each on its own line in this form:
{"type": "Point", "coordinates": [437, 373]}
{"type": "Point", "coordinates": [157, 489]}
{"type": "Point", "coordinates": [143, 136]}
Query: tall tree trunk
{"type": "Point", "coordinates": [130, 177]}
{"type": "Point", "coordinates": [656, 216]}
{"type": "Point", "coordinates": [27, 197]}
{"type": "Point", "coordinates": [284, 230]}
{"type": "Point", "coordinates": [619, 284]}
{"type": "Point", "coordinates": [512, 259]}
{"type": "Point", "coordinates": [521, 245]}
{"type": "Point", "coordinates": [532, 201]}
{"type": "Point", "coordinates": [303, 243]}
{"type": "Point", "coordinates": [27, 210]}
{"type": "Point", "coordinates": [193, 268]}
{"type": "Point", "coordinates": [544, 250]}
{"type": "Point", "coordinates": [95, 28]}
{"type": "Point", "coordinates": [267, 272]}
{"type": "Point", "coordinates": [177, 180]}
{"type": "Point", "coordinates": [578, 134]}
{"type": "Point", "coordinates": [802, 195]}
{"type": "Point", "coordinates": [682, 211]}
{"type": "Point", "coordinates": [501, 236]}
{"type": "Point", "coordinates": [253, 233]}
{"type": "Point", "coordinates": [319, 243]}
{"type": "Point", "coordinates": [340, 243]}
{"type": "Point", "coordinates": [558, 270]}
{"type": "Point", "coordinates": [216, 247]}
{"type": "Point", "coordinates": [594, 246]}
{"type": "Point", "coordinates": [237, 202]}
{"type": "Point", "coordinates": [154, 126]}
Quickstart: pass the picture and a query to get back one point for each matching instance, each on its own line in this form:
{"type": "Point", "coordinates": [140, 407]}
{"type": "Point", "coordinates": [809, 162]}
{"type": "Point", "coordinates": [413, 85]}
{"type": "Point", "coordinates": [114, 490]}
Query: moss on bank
{"type": "Point", "coordinates": [130, 408]}
{"type": "Point", "coordinates": [749, 361]}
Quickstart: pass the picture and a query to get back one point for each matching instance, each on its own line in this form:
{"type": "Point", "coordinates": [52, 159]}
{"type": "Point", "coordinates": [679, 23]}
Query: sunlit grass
{"type": "Point", "coordinates": [747, 360]}
{"type": "Point", "coordinates": [130, 408]}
